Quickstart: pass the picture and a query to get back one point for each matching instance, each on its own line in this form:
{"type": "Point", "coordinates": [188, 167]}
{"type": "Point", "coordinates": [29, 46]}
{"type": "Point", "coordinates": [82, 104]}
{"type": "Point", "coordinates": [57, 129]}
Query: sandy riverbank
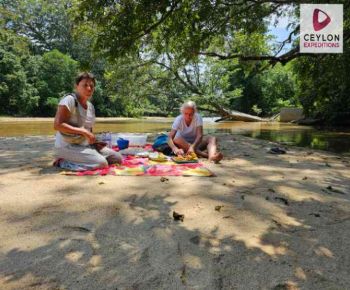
{"type": "Point", "coordinates": [284, 223]}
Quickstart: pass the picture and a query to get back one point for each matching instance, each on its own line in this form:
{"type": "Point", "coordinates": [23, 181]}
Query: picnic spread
{"type": "Point", "coordinates": [144, 161]}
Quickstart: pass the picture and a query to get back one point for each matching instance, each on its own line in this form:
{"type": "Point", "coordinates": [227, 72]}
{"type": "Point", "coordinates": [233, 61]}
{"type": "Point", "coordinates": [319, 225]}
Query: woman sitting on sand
{"type": "Point", "coordinates": [75, 145]}
{"type": "Point", "coordinates": [186, 135]}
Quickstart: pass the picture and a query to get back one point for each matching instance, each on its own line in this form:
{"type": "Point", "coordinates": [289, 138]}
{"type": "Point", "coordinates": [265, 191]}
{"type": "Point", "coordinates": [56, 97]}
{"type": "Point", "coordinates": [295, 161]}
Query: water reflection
{"type": "Point", "coordinates": [330, 141]}
{"type": "Point", "coordinates": [306, 136]}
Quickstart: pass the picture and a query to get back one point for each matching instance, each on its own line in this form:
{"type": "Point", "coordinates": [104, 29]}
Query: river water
{"type": "Point", "coordinates": [335, 140]}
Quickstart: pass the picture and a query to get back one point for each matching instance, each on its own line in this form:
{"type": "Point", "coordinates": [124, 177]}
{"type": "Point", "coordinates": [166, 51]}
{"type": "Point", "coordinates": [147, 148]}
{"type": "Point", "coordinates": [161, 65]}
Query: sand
{"type": "Point", "coordinates": [264, 222]}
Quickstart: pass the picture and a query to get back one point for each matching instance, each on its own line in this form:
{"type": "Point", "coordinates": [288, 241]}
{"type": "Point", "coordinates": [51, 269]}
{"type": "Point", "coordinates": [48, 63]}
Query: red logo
{"type": "Point", "coordinates": [320, 25]}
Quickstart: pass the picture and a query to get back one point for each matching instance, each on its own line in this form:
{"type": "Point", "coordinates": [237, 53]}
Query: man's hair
{"type": "Point", "coordinates": [189, 104]}
{"type": "Point", "coordinates": [83, 76]}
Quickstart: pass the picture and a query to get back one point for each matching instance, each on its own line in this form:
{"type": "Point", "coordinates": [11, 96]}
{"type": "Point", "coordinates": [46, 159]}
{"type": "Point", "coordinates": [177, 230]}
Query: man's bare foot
{"type": "Point", "coordinates": [217, 157]}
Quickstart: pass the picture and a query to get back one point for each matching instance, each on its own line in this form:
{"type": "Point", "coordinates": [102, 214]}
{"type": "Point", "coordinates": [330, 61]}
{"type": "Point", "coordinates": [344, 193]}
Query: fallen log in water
{"type": "Point", "coordinates": [239, 116]}
{"type": "Point", "coordinates": [236, 115]}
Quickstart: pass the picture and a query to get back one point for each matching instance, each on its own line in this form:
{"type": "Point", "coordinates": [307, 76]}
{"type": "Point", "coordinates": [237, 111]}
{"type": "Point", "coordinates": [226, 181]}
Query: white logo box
{"type": "Point", "coordinates": [328, 39]}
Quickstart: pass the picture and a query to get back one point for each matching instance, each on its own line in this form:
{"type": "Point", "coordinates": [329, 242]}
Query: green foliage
{"type": "Point", "coordinates": [15, 91]}
{"type": "Point", "coordinates": [32, 84]}
{"type": "Point", "coordinates": [172, 35]}
{"type": "Point", "coordinates": [12, 81]}
{"type": "Point", "coordinates": [57, 75]}
{"type": "Point", "coordinates": [45, 23]}
{"type": "Point", "coordinates": [150, 56]}
{"type": "Point", "coordinates": [49, 25]}
{"type": "Point", "coordinates": [178, 27]}
{"type": "Point", "coordinates": [138, 88]}
{"type": "Point", "coordinates": [278, 89]}
{"type": "Point", "coordinates": [323, 86]}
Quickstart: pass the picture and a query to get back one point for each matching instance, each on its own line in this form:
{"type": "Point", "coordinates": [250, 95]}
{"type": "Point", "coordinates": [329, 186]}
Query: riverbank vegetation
{"type": "Point", "coordinates": [149, 56]}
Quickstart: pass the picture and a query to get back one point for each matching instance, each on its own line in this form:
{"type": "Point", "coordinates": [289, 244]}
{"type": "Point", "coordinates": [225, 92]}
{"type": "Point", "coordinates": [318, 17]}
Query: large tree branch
{"type": "Point", "coordinates": [288, 39]}
{"type": "Point", "coordinates": [36, 35]}
{"type": "Point", "coordinates": [159, 22]}
{"type": "Point", "coordinates": [273, 59]}
{"type": "Point", "coordinates": [189, 81]}
{"type": "Point", "coordinates": [187, 85]}
{"type": "Point", "coordinates": [197, 74]}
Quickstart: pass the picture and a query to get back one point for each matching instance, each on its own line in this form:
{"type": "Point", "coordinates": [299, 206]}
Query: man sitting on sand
{"type": "Point", "coordinates": [186, 135]}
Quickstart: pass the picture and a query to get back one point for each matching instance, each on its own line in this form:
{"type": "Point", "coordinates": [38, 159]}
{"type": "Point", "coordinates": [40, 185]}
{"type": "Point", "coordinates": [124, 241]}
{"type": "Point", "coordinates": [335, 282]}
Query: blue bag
{"type": "Point", "coordinates": [161, 145]}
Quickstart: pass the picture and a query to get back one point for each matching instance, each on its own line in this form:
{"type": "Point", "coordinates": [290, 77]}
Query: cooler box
{"type": "Point", "coordinates": [134, 138]}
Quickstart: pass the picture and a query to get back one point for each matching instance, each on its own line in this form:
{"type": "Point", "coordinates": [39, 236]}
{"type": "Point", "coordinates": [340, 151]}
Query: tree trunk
{"type": "Point", "coordinates": [238, 116]}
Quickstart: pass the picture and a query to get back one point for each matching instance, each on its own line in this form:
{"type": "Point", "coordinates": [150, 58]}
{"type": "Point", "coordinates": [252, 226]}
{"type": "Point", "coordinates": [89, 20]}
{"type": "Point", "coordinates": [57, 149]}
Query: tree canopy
{"type": "Point", "coordinates": [149, 56]}
{"type": "Point", "coordinates": [224, 29]}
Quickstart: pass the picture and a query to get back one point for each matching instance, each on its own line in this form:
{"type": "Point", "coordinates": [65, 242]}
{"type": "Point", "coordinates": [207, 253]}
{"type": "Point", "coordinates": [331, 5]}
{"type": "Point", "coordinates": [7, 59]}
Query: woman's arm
{"type": "Point", "coordinates": [198, 140]}
{"type": "Point", "coordinates": [173, 147]}
{"type": "Point", "coordinates": [61, 124]}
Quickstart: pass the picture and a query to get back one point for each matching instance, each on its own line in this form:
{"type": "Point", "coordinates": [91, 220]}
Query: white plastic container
{"type": "Point", "coordinates": [134, 139]}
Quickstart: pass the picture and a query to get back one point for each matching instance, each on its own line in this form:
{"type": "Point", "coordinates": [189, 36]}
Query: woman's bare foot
{"type": "Point", "coordinates": [217, 157]}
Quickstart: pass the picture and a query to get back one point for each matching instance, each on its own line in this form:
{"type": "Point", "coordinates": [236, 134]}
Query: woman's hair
{"type": "Point", "coordinates": [83, 76]}
{"type": "Point", "coordinates": [189, 104]}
